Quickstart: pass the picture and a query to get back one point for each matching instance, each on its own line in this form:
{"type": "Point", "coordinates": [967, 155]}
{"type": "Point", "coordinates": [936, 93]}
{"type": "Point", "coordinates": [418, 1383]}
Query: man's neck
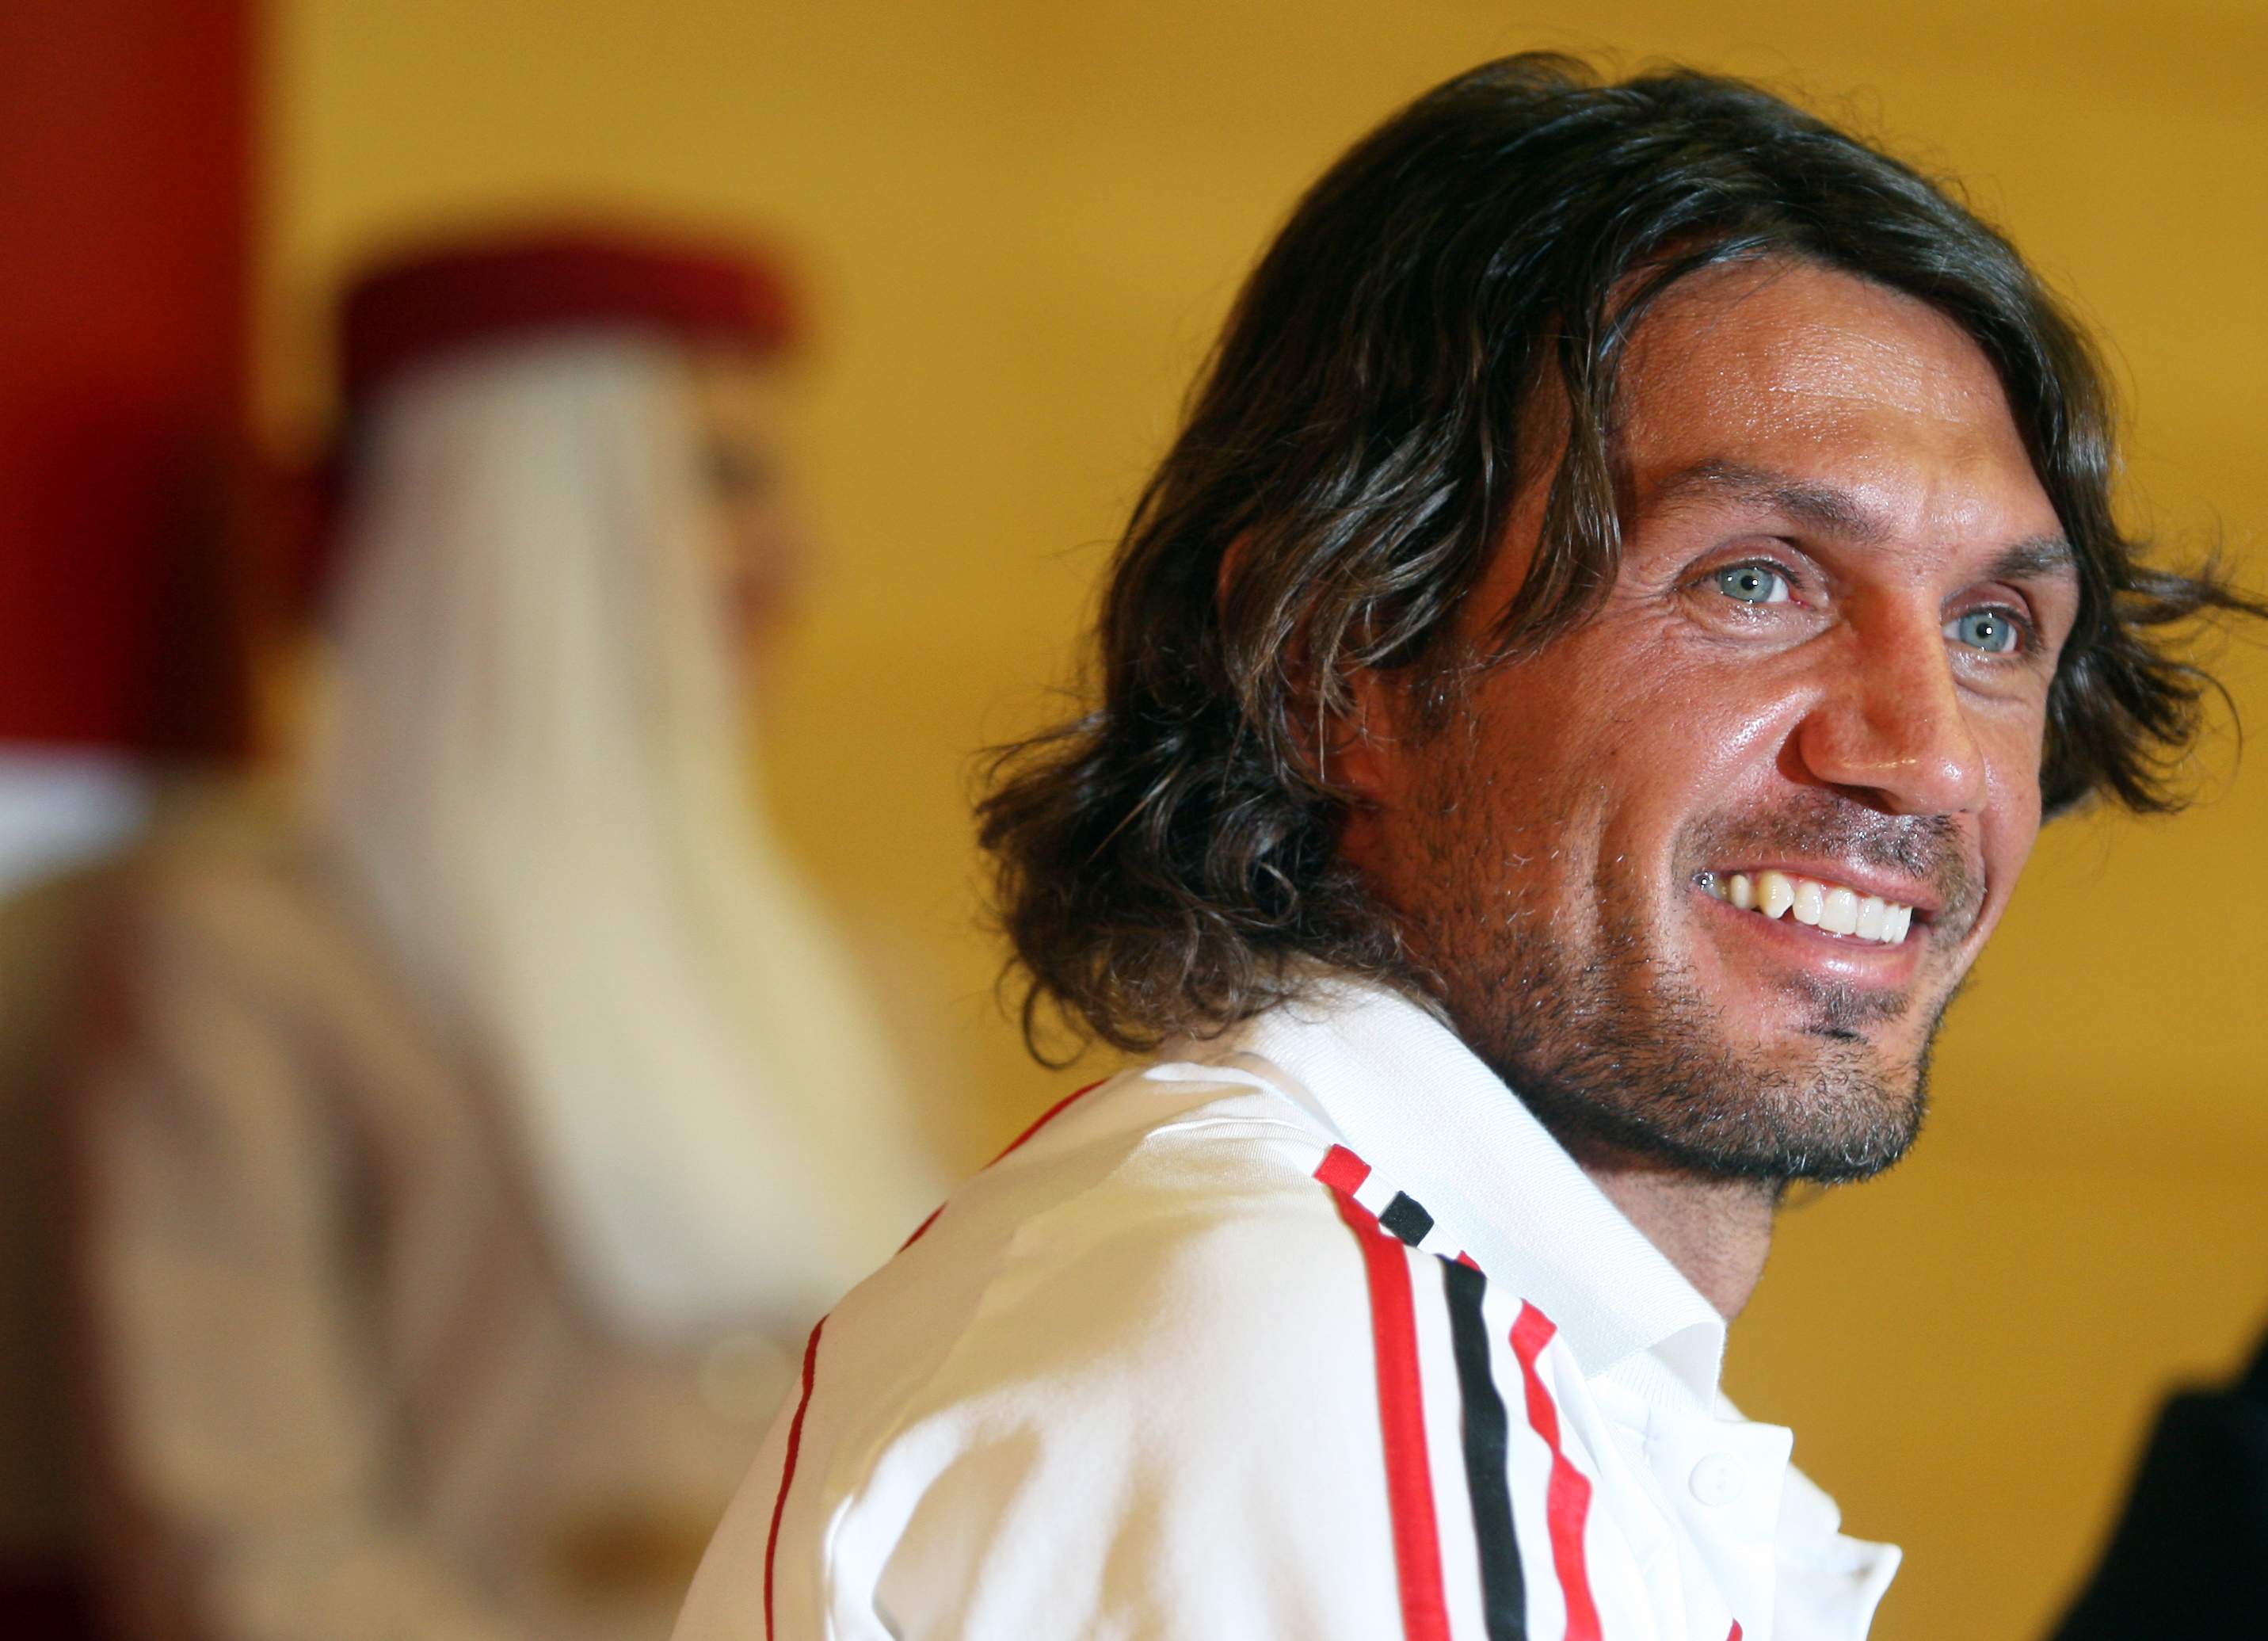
{"type": "Point", "coordinates": [1716, 1230]}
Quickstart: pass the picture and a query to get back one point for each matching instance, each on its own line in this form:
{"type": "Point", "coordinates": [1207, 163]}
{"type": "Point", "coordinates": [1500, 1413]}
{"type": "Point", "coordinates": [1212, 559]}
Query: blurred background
{"type": "Point", "coordinates": [1019, 225]}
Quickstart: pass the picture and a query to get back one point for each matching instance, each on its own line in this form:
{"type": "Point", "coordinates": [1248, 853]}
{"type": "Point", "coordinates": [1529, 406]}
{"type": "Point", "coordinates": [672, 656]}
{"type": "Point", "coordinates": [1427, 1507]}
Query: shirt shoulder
{"type": "Point", "coordinates": [1148, 1209]}
{"type": "Point", "coordinates": [1126, 1342]}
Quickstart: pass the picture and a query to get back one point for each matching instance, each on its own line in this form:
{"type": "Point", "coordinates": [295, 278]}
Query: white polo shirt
{"type": "Point", "coordinates": [1309, 1331]}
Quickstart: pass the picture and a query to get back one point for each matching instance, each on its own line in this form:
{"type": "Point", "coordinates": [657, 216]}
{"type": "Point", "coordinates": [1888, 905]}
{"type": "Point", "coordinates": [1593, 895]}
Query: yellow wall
{"type": "Point", "coordinates": [1025, 217]}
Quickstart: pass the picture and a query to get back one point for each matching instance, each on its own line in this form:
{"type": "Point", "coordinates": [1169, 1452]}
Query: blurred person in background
{"type": "Point", "coordinates": [466, 1157]}
{"type": "Point", "coordinates": [2189, 1557]}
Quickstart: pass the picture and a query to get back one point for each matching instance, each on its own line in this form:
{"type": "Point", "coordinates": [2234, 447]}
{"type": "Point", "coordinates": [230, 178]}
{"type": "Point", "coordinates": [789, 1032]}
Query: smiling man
{"type": "Point", "coordinates": [1574, 702]}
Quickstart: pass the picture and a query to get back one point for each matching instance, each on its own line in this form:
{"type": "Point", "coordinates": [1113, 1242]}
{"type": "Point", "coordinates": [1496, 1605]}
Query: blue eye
{"type": "Point", "coordinates": [1754, 584]}
{"type": "Point", "coordinates": [1992, 630]}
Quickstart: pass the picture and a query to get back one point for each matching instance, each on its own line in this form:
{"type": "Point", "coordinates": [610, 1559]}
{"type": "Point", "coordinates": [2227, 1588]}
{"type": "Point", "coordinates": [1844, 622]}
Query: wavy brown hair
{"type": "Point", "coordinates": [1167, 860]}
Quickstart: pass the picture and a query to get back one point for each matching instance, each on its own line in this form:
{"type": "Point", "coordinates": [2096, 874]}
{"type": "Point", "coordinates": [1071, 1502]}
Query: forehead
{"type": "Point", "coordinates": [1789, 367]}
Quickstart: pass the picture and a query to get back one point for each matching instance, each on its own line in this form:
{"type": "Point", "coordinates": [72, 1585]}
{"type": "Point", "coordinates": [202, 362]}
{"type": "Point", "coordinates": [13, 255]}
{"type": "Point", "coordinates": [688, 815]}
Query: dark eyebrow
{"type": "Point", "coordinates": [1837, 513]}
{"type": "Point", "coordinates": [1829, 511]}
{"type": "Point", "coordinates": [2043, 554]}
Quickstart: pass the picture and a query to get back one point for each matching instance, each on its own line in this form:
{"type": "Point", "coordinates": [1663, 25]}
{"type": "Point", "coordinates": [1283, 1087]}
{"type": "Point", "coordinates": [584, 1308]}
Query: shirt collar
{"type": "Point", "coordinates": [1412, 1101]}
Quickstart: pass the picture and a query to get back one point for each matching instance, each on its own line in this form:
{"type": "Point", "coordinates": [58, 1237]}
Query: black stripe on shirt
{"type": "Point", "coordinates": [1406, 1218]}
{"type": "Point", "coordinates": [1504, 1596]}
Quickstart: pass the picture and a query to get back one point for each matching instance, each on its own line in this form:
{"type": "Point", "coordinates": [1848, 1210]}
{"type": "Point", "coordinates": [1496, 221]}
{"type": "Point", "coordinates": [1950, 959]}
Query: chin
{"type": "Point", "coordinates": [1632, 1043]}
{"type": "Point", "coordinates": [1663, 1076]}
{"type": "Point", "coordinates": [1835, 1130]}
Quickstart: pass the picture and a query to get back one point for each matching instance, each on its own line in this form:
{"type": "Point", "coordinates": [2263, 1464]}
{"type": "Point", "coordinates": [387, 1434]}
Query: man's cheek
{"type": "Point", "coordinates": [2010, 825]}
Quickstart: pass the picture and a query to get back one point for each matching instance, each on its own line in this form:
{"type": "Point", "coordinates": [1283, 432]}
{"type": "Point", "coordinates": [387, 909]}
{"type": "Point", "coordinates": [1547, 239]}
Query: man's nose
{"type": "Point", "coordinates": [1890, 728]}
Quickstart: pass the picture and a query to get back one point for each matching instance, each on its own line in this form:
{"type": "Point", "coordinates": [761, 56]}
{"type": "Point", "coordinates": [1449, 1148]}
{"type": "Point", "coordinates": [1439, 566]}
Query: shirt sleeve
{"type": "Point", "coordinates": [242, 1427]}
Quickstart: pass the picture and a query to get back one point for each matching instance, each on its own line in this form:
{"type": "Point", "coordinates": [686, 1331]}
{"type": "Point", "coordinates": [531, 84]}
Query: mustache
{"type": "Point", "coordinates": [1934, 848]}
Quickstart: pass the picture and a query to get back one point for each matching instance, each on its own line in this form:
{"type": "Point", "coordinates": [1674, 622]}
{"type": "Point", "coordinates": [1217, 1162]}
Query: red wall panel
{"type": "Point", "coordinates": [125, 199]}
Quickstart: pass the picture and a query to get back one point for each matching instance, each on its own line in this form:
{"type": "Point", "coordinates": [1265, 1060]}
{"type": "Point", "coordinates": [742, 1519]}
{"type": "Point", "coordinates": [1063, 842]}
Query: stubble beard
{"type": "Point", "coordinates": [1619, 1046]}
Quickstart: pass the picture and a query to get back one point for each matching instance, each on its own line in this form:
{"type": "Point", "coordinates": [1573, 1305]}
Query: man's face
{"type": "Point", "coordinates": [1824, 670]}
{"type": "Point", "coordinates": [739, 405]}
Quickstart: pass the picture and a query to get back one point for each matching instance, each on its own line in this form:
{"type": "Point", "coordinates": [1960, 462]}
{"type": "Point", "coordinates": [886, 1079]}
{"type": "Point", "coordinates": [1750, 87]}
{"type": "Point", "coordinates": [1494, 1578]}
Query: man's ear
{"type": "Point", "coordinates": [1360, 753]}
{"type": "Point", "coordinates": [1348, 734]}
{"type": "Point", "coordinates": [1232, 561]}
{"type": "Point", "coordinates": [1358, 748]}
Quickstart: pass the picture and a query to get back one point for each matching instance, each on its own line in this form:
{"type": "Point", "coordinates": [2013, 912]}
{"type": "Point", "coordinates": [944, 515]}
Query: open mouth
{"type": "Point", "coordinates": [1832, 908]}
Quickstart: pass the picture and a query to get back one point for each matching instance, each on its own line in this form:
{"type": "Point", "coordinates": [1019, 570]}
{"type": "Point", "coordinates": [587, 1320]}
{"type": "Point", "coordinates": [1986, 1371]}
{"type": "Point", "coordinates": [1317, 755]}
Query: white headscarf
{"type": "Point", "coordinates": [538, 779]}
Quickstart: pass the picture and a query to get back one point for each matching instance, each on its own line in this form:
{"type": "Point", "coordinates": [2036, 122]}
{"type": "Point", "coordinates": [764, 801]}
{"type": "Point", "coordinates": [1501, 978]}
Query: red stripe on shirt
{"type": "Point", "coordinates": [787, 1470]}
{"type": "Point", "coordinates": [1567, 1496]}
{"type": "Point", "coordinates": [1343, 1170]}
{"type": "Point", "coordinates": [1045, 1118]}
{"type": "Point", "coordinates": [922, 1230]}
{"type": "Point", "coordinates": [1048, 1116]}
{"type": "Point", "coordinates": [1401, 1415]}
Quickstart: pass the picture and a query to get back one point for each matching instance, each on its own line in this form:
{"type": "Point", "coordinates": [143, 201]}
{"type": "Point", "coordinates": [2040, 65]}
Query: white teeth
{"type": "Point", "coordinates": [1775, 893]}
{"type": "Point", "coordinates": [1831, 908]}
